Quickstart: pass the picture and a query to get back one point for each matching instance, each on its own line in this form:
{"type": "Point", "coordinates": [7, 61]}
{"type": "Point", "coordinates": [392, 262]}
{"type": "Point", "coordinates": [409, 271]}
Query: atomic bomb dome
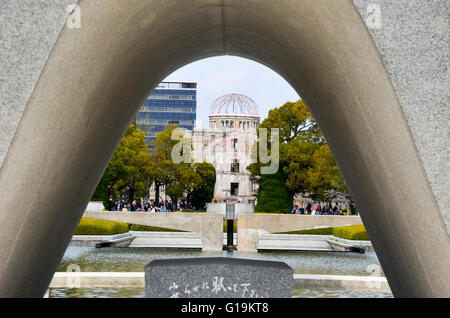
{"type": "Point", "coordinates": [234, 111]}
{"type": "Point", "coordinates": [234, 104]}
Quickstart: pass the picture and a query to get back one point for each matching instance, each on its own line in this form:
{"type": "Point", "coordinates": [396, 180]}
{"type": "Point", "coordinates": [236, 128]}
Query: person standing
{"type": "Point", "coordinates": [308, 208]}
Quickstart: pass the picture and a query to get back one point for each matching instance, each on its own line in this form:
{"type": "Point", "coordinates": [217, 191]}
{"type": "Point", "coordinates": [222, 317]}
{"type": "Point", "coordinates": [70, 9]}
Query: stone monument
{"type": "Point", "coordinates": [218, 277]}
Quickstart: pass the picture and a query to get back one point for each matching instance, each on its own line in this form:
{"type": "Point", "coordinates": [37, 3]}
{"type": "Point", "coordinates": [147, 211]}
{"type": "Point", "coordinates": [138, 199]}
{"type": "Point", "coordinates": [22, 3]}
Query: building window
{"type": "Point", "coordinates": [234, 189]}
{"type": "Point", "coordinates": [235, 143]}
{"type": "Point", "coordinates": [235, 166]}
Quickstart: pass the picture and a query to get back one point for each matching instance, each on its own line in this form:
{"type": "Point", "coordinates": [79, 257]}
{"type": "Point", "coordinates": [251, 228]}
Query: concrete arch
{"type": "Point", "coordinates": [96, 77]}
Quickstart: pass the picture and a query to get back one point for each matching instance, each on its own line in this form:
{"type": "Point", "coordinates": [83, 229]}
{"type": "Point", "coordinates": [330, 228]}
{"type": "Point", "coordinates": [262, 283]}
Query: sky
{"type": "Point", "coordinates": [217, 76]}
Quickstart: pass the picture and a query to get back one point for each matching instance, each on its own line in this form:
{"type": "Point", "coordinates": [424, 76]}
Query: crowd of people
{"type": "Point", "coordinates": [168, 206]}
{"type": "Point", "coordinates": [149, 206]}
{"type": "Point", "coordinates": [318, 209]}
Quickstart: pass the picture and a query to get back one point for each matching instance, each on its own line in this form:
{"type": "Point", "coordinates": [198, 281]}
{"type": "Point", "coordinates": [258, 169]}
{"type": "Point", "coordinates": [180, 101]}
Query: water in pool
{"type": "Point", "coordinates": [134, 260]}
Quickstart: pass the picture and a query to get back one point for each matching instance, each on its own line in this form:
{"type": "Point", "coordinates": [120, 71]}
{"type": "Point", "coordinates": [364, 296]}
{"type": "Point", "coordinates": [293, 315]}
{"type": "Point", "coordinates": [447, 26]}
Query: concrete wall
{"type": "Point", "coordinates": [137, 280]}
{"type": "Point", "coordinates": [216, 208]}
{"type": "Point", "coordinates": [95, 206]}
{"type": "Point", "coordinates": [380, 96]}
{"type": "Point", "coordinates": [238, 208]}
{"type": "Point", "coordinates": [251, 227]}
{"type": "Point", "coordinates": [208, 225]}
{"type": "Point", "coordinates": [244, 208]}
{"type": "Point", "coordinates": [301, 242]}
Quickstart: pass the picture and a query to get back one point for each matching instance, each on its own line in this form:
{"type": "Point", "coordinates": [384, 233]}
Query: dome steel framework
{"type": "Point", "coordinates": [234, 104]}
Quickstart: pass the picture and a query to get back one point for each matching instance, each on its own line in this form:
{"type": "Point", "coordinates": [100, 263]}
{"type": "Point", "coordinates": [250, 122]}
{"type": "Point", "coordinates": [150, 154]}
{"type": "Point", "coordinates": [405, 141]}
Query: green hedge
{"type": "Point", "coordinates": [100, 227]}
{"type": "Point", "coordinates": [146, 228]}
{"type": "Point", "coordinates": [321, 231]}
{"type": "Point", "coordinates": [353, 232]}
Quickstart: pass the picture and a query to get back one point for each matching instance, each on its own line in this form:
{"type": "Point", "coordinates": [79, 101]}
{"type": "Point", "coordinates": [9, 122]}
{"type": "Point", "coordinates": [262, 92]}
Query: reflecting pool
{"type": "Point", "coordinates": [134, 260]}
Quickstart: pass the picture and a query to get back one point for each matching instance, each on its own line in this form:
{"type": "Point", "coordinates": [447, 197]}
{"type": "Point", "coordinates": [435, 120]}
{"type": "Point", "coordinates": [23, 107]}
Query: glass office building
{"type": "Point", "coordinates": [170, 103]}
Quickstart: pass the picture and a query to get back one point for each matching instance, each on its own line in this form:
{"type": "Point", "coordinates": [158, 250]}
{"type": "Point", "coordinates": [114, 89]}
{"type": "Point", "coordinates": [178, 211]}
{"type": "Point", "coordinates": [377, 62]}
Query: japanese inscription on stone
{"type": "Point", "coordinates": [218, 277]}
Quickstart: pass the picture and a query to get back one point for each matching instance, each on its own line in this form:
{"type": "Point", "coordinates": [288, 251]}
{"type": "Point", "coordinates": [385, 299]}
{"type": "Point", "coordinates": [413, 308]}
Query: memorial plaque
{"type": "Point", "coordinates": [218, 277]}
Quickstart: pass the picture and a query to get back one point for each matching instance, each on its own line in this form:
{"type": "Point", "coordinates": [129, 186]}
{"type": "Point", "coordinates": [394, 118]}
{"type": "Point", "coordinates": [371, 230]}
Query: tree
{"type": "Point", "coordinates": [204, 190]}
{"type": "Point", "coordinates": [175, 191]}
{"type": "Point", "coordinates": [184, 182]}
{"type": "Point", "coordinates": [273, 195]}
{"type": "Point", "coordinates": [131, 164]}
{"type": "Point", "coordinates": [132, 170]}
{"type": "Point", "coordinates": [129, 168]}
{"type": "Point", "coordinates": [305, 159]}
{"type": "Point", "coordinates": [196, 180]}
{"type": "Point", "coordinates": [294, 121]}
{"type": "Point", "coordinates": [166, 170]}
{"type": "Point", "coordinates": [323, 175]}
{"type": "Point", "coordinates": [103, 193]}
{"type": "Point", "coordinates": [299, 137]}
